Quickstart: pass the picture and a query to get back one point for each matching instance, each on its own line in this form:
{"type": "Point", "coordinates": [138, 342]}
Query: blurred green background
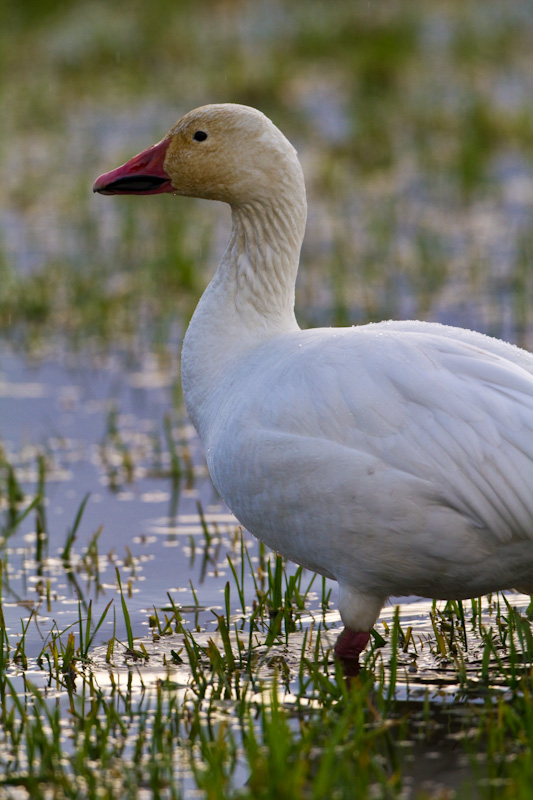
{"type": "Point", "coordinates": [414, 122]}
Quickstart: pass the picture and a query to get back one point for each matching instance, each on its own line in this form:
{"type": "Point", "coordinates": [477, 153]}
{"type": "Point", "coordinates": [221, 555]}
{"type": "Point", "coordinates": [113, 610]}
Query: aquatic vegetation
{"type": "Point", "coordinates": [413, 124]}
{"type": "Point", "coordinates": [252, 703]}
{"type": "Point", "coordinates": [261, 698]}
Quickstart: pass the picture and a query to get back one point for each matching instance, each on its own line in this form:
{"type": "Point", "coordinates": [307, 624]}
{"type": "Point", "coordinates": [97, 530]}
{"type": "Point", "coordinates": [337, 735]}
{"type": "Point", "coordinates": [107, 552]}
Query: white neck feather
{"type": "Point", "coordinates": [251, 297]}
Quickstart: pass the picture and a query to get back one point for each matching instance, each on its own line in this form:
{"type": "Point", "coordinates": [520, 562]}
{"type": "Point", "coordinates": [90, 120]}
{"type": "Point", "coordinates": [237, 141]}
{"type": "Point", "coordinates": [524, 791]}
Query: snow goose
{"type": "Point", "coordinates": [396, 458]}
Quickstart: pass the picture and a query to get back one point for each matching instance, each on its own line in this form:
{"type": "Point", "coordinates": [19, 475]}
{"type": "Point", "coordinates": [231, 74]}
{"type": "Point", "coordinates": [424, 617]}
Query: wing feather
{"type": "Point", "coordinates": [448, 412]}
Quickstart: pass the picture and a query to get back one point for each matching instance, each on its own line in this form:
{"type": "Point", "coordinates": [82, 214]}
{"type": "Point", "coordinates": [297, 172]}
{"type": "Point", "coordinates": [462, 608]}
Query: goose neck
{"type": "Point", "coordinates": [261, 262]}
{"type": "Point", "coordinates": [249, 301]}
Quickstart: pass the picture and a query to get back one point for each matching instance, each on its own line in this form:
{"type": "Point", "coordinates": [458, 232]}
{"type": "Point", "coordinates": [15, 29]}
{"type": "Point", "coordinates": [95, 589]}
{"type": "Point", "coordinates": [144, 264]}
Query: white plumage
{"type": "Point", "coordinates": [396, 458]}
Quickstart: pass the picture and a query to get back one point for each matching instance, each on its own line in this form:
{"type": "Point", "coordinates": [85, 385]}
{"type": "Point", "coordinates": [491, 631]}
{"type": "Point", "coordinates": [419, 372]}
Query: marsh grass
{"type": "Point", "coordinates": [412, 121]}
{"type": "Point", "coordinates": [258, 707]}
{"type": "Point", "coordinates": [224, 721]}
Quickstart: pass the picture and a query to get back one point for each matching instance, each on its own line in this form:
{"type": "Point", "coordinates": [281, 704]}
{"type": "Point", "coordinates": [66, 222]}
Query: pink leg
{"type": "Point", "coordinates": [348, 648]}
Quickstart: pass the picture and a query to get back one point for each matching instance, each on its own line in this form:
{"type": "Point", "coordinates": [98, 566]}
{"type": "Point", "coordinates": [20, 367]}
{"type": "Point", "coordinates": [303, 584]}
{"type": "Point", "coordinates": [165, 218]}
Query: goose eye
{"type": "Point", "coordinates": [200, 136]}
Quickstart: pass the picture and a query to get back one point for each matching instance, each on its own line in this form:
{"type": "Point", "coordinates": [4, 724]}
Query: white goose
{"type": "Point", "coordinates": [396, 458]}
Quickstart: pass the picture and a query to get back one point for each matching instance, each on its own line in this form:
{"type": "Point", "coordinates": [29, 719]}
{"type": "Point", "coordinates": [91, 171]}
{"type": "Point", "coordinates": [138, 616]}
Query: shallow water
{"type": "Point", "coordinates": [149, 522]}
{"type": "Point", "coordinates": [99, 424]}
{"type": "Point", "coordinates": [84, 418]}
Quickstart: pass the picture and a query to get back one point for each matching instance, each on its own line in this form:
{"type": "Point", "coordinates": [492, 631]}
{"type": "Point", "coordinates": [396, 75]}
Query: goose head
{"type": "Point", "coordinates": [226, 152]}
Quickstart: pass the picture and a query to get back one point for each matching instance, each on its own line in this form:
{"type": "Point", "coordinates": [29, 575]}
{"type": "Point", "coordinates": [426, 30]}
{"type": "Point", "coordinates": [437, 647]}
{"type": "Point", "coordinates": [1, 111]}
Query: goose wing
{"type": "Point", "coordinates": [421, 420]}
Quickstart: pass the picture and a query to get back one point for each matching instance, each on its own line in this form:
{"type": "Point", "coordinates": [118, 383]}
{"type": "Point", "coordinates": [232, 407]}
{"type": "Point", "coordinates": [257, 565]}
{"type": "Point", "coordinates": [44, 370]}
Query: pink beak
{"type": "Point", "coordinates": [142, 174]}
